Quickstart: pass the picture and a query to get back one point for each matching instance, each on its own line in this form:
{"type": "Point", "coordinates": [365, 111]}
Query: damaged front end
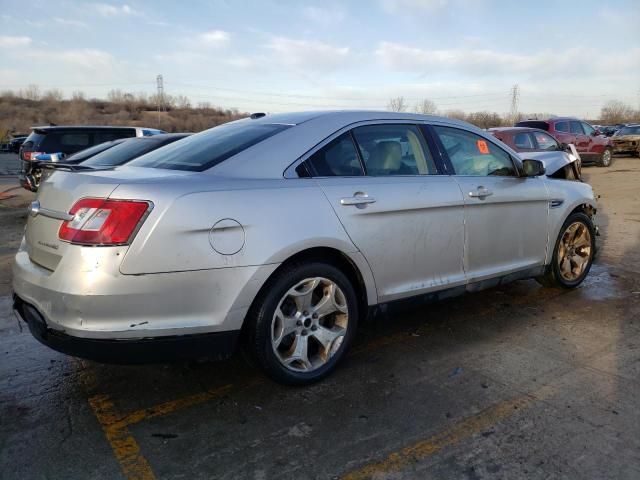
{"type": "Point", "coordinates": [626, 144]}
{"type": "Point", "coordinates": [559, 164]}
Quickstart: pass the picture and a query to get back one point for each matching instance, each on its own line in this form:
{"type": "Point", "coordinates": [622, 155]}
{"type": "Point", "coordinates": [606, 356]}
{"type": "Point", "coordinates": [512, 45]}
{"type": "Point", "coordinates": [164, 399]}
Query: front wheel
{"type": "Point", "coordinates": [605, 159]}
{"type": "Point", "coordinates": [302, 322]}
{"type": "Point", "coordinates": [573, 253]}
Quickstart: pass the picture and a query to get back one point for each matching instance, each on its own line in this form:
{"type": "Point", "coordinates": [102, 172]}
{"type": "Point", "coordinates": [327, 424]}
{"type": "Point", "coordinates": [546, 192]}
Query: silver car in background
{"type": "Point", "coordinates": [283, 231]}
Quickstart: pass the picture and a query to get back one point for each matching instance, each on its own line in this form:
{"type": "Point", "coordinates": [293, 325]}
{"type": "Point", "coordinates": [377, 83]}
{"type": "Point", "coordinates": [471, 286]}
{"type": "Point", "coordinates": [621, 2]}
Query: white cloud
{"type": "Point", "coordinates": [309, 55]}
{"type": "Point", "coordinates": [14, 42]}
{"type": "Point", "coordinates": [84, 59]}
{"type": "Point", "coordinates": [70, 23]}
{"type": "Point", "coordinates": [485, 62]}
{"type": "Point", "coordinates": [213, 39]}
{"type": "Point", "coordinates": [324, 17]}
{"type": "Point", "coordinates": [106, 10]}
{"type": "Point", "coordinates": [407, 6]}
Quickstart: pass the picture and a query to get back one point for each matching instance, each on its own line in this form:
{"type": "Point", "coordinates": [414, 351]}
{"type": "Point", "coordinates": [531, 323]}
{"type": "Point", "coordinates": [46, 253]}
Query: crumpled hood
{"type": "Point", "coordinates": [553, 161]}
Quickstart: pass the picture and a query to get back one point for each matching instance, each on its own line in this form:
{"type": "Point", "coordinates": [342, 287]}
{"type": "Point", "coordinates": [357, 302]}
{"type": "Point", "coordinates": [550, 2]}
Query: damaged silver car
{"type": "Point", "coordinates": [281, 232]}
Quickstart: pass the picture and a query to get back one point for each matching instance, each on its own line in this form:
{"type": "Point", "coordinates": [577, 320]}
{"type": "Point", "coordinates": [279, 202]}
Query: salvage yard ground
{"type": "Point", "coordinates": [514, 382]}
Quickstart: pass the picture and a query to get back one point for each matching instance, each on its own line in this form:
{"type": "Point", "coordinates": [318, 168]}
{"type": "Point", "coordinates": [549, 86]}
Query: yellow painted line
{"type": "Point", "coordinates": [397, 461]}
{"type": "Point", "coordinates": [125, 448]}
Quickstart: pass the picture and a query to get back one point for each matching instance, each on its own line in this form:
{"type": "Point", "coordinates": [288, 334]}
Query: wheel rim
{"type": "Point", "coordinates": [309, 324]}
{"type": "Point", "coordinates": [574, 251]}
{"type": "Point", "coordinates": [606, 158]}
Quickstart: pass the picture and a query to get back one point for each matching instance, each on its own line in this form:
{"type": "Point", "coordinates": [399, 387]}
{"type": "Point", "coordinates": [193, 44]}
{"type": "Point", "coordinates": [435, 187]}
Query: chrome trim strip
{"type": "Point", "coordinates": [35, 209]}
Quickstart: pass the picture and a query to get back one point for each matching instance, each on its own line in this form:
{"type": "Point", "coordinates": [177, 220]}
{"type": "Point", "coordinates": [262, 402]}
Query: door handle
{"type": "Point", "coordinates": [480, 192]}
{"type": "Point", "coordinates": [359, 199]}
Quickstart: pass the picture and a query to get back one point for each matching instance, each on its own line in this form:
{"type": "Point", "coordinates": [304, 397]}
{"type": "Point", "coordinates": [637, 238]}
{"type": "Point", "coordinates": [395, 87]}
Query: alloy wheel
{"type": "Point", "coordinates": [574, 251]}
{"type": "Point", "coordinates": [309, 324]}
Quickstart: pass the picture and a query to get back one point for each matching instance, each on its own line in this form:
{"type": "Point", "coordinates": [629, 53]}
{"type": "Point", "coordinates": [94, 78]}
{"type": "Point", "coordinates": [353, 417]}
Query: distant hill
{"type": "Point", "coordinates": [18, 114]}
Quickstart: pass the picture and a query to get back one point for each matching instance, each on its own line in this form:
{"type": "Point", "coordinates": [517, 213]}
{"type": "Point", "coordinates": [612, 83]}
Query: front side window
{"type": "Point", "coordinates": [562, 127]}
{"type": "Point", "coordinates": [338, 158]}
{"type": "Point", "coordinates": [588, 129]}
{"type": "Point", "coordinates": [523, 141]}
{"type": "Point", "coordinates": [472, 155]}
{"type": "Point", "coordinates": [576, 128]}
{"type": "Point", "coordinates": [393, 150]}
{"type": "Point", "coordinates": [545, 141]}
{"type": "Point", "coordinates": [209, 148]}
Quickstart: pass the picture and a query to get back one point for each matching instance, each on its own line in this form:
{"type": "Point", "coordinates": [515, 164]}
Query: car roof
{"type": "Point", "coordinates": [515, 129]}
{"type": "Point", "coordinates": [87, 127]}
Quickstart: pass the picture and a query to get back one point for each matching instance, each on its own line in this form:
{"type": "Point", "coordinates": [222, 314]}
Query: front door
{"type": "Point", "coordinates": [407, 220]}
{"type": "Point", "coordinates": [505, 215]}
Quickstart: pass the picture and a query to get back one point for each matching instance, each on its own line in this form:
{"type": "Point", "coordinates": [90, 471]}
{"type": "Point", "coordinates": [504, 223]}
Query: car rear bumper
{"type": "Point", "coordinates": [87, 297]}
{"type": "Point", "coordinates": [214, 346]}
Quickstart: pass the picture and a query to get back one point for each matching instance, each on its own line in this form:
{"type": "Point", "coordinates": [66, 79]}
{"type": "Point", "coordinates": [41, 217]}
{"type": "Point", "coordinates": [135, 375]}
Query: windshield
{"type": "Point", "coordinates": [209, 148]}
{"type": "Point", "coordinates": [628, 131]}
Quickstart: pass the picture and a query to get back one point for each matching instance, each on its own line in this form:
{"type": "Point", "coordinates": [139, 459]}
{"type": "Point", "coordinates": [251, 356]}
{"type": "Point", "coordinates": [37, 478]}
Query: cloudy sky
{"type": "Point", "coordinates": [567, 57]}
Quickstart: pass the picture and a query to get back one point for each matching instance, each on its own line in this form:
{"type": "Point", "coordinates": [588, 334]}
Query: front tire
{"type": "Point", "coordinates": [302, 322]}
{"type": "Point", "coordinates": [605, 159]}
{"type": "Point", "coordinates": [573, 253]}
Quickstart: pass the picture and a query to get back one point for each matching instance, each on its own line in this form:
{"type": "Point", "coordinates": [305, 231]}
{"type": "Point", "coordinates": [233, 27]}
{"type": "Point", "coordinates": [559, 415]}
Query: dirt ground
{"type": "Point", "coordinates": [514, 382]}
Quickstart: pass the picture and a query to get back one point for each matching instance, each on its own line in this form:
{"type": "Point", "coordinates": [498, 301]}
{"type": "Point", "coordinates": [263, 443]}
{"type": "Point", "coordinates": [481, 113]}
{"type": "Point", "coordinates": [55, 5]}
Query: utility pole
{"type": "Point", "coordinates": [160, 96]}
{"type": "Point", "coordinates": [515, 98]}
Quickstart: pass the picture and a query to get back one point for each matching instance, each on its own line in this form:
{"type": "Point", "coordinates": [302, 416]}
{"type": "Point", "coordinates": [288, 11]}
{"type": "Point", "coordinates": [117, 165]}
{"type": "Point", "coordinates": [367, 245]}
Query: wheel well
{"type": "Point", "coordinates": [338, 259]}
{"type": "Point", "coordinates": [585, 208]}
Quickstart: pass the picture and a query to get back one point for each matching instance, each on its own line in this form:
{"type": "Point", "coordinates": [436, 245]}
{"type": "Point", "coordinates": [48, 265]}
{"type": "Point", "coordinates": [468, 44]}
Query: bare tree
{"type": "Point", "coordinates": [427, 107]}
{"type": "Point", "coordinates": [397, 104]}
{"type": "Point", "coordinates": [32, 92]}
{"type": "Point", "coordinates": [115, 96]}
{"type": "Point", "coordinates": [77, 96]}
{"type": "Point", "coordinates": [182, 102]}
{"type": "Point", "coordinates": [616, 111]}
{"type": "Point", "coordinates": [484, 119]}
{"type": "Point", "coordinates": [53, 95]}
{"type": "Point", "coordinates": [457, 114]}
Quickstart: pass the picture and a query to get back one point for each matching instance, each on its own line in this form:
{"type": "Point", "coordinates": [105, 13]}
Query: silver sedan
{"type": "Point", "coordinates": [281, 232]}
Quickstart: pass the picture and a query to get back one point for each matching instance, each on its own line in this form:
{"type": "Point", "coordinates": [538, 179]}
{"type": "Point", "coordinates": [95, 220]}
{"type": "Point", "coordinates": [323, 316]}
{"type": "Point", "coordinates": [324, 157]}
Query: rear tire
{"type": "Point", "coordinates": [573, 253]}
{"type": "Point", "coordinates": [302, 322]}
{"type": "Point", "coordinates": [605, 158]}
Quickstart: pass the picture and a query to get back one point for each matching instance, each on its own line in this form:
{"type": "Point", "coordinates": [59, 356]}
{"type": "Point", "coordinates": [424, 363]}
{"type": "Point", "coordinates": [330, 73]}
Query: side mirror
{"type": "Point", "coordinates": [533, 168]}
{"type": "Point", "coordinates": [595, 133]}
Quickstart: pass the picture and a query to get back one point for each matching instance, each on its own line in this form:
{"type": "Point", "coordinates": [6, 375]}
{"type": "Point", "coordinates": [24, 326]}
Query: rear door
{"type": "Point", "coordinates": [562, 132]}
{"type": "Point", "coordinates": [582, 140]}
{"type": "Point", "coordinates": [405, 218]}
{"type": "Point", "coordinates": [505, 214]}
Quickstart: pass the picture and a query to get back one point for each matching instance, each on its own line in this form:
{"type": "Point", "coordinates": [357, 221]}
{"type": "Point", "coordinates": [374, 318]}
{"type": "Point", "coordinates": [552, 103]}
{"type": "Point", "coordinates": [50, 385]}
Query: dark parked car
{"type": "Point", "coordinates": [15, 143]}
{"type": "Point", "coordinates": [67, 140]}
{"type": "Point", "coordinates": [593, 148]}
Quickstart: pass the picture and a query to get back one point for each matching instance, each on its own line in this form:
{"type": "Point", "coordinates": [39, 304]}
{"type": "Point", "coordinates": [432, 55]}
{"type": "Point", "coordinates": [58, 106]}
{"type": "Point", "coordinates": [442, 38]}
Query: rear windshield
{"type": "Point", "coordinates": [209, 148]}
{"type": "Point", "coordinates": [533, 124]}
{"type": "Point", "coordinates": [122, 153]}
{"type": "Point", "coordinates": [72, 141]}
{"type": "Point", "coordinates": [91, 151]}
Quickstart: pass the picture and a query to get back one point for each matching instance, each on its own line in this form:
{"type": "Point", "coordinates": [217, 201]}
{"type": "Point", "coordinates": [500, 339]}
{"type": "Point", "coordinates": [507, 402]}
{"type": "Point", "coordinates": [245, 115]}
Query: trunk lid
{"type": "Point", "coordinates": [59, 192]}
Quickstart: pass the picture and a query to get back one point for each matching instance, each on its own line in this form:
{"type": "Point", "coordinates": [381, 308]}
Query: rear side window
{"type": "Point", "coordinates": [473, 155]}
{"type": "Point", "coordinates": [576, 128]}
{"type": "Point", "coordinates": [394, 150]}
{"type": "Point", "coordinates": [523, 141]}
{"type": "Point", "coordinates": [207, 149]}
{"type": "Point", "coordinates": [338, 158]}
{"type": "Point", "coordinates": [562, 127]}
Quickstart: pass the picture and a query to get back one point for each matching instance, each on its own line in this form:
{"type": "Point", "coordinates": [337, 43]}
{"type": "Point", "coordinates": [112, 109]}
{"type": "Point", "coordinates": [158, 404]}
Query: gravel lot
{"type": "Point", "coordinates": [514, 382]}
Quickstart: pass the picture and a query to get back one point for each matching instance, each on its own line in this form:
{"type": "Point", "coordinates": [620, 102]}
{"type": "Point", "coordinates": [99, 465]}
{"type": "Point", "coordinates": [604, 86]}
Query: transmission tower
{"type": "Point", "coordinates": [160, 96]}
{"type": "Point", "coordinates": [515, 98]}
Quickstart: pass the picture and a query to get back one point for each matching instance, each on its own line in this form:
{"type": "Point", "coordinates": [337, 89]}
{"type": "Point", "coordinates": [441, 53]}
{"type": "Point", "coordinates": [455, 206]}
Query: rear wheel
{"type": "Point", "coordinates": [573, 253]}
{"type": "Point", "coordinates": [302, 323]}
{"type": "Point", "coordinates": [605, 159]}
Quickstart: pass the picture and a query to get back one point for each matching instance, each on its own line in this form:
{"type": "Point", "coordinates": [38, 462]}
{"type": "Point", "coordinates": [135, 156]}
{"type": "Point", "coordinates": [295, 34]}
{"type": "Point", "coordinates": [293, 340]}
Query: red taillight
{"type": "Point", "coordinates": [30, 156]}
{"type": "Point", "coordinates": [97, 221]}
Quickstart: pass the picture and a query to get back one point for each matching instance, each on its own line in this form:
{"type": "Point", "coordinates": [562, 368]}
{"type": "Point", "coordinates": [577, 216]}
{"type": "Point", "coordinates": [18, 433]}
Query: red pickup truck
{"type": "Point", "coordinates": [592, 147]}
